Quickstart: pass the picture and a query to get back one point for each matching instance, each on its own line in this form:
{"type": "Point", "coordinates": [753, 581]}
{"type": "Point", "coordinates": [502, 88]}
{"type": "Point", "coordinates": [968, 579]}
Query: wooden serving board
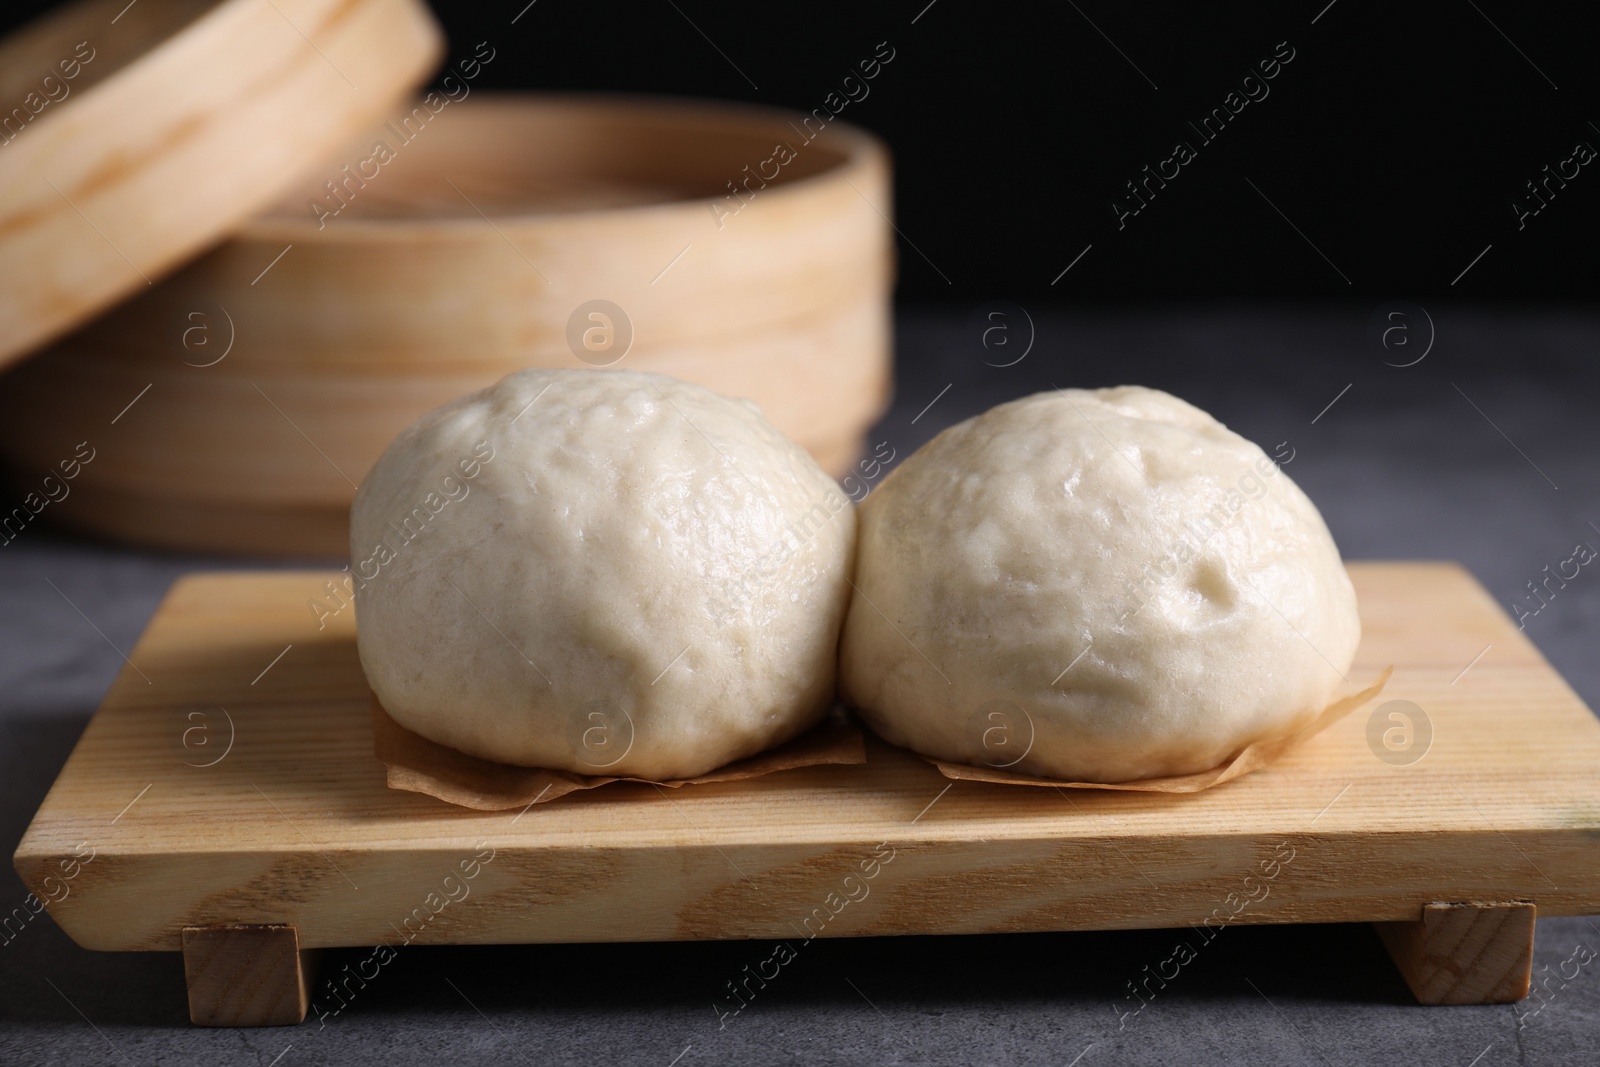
{"type": "Point", "coordinates": [228, 779]}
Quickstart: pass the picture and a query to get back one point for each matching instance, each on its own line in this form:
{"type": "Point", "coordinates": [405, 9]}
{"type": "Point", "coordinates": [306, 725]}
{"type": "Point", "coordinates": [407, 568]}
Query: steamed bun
{"type": "Point", "coordinates": [1095, 585]}
{"type": "Point", "coordinates": [603, 572]}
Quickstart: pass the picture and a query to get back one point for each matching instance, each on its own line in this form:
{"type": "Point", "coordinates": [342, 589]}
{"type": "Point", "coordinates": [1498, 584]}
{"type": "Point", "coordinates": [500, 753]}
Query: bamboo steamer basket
{"type": "Point", "coordinates": [132, 136]}
{"type": "Point", "coordinates": [471, 253]}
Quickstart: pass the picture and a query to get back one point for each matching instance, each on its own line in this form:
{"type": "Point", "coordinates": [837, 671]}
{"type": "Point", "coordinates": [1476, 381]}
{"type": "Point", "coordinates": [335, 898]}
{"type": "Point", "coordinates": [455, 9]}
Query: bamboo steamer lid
{"type": "Point", "coordinates": [133, 136]}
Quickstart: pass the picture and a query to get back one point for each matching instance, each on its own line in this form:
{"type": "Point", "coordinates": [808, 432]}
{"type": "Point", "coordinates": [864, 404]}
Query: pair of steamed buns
{"type": "Point", "coordinates": [647, 579]}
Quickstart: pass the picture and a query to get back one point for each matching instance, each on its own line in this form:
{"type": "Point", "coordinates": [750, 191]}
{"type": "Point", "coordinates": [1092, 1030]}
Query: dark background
{"type": "Point", "coordinates": [1396, 140]}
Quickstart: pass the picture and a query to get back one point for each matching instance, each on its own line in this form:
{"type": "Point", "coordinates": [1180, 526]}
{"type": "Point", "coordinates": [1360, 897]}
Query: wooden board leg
{"type": "Point", "coordinates": [1480, 952]}
{"type": "Point", "coordinates": [246, 975]}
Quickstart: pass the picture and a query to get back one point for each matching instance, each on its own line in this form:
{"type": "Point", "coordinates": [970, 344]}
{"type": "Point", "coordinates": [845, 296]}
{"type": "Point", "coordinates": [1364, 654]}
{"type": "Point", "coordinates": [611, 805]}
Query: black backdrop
{"type": "Point", "coordinates": [1395, 141]}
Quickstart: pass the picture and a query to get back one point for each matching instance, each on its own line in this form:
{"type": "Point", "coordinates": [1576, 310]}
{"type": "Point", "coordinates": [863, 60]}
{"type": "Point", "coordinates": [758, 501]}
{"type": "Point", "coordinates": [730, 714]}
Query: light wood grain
{"type": "Point", "coordinates": [294, 824]}
{"type": "Point", "coordinates": [408, 299]}
{"type": "Point", "coordinates": [190, 118]}
{"type": "Point", "coordinates": [1467, 953]}
{"type": "Point", "coordinates": [246, 975]}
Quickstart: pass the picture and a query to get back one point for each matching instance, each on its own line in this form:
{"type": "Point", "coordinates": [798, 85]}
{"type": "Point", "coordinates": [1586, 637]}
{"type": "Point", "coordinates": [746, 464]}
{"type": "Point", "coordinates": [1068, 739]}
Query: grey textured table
{"type": "Point", "coordinates": [1458, 457]}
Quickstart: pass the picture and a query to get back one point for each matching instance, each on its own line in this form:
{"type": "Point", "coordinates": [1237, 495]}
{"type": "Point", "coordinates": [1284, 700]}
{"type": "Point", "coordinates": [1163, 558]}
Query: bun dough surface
{"type": "Point", "coordinates": [603, 572]}
{"type": "Point", "coordinates": [1095, 586]}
